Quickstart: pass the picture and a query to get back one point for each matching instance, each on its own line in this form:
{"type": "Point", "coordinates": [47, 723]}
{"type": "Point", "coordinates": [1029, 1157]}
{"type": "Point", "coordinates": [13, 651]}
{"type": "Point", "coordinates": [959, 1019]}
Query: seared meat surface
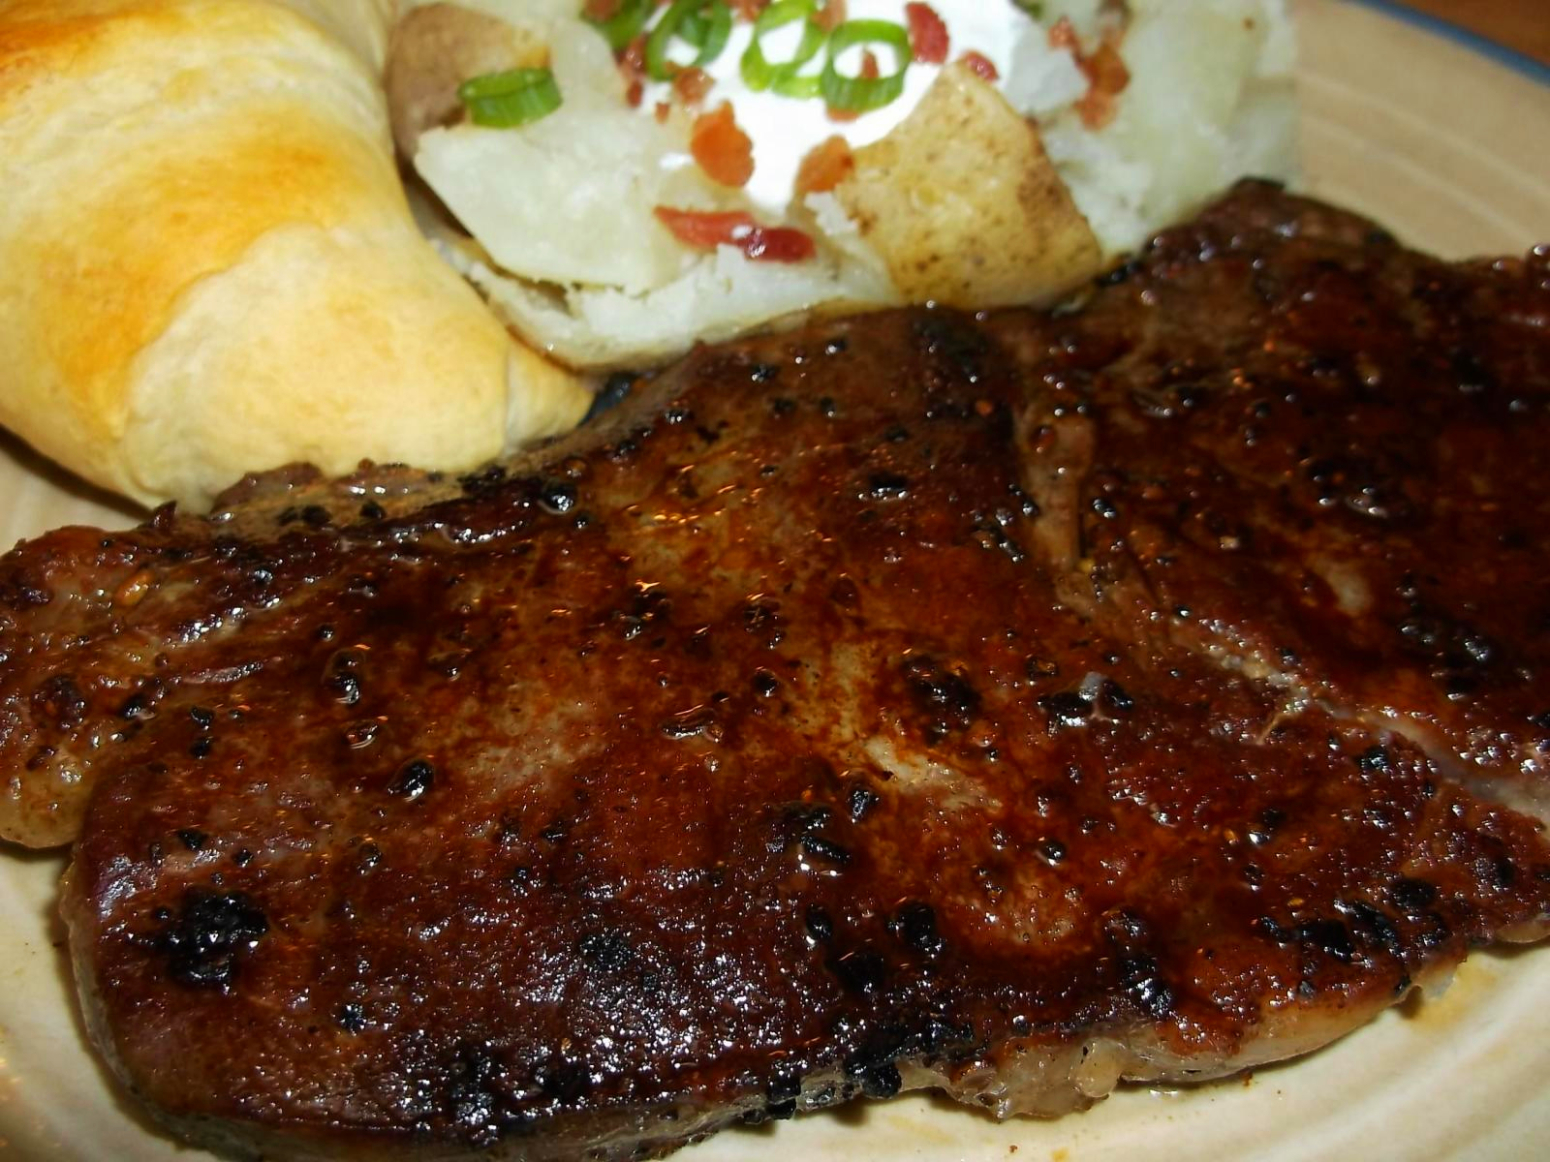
{"type": "Point", "coordinates": [789, 735]}
{"type": "Point", "coordinates": [1282, 439]}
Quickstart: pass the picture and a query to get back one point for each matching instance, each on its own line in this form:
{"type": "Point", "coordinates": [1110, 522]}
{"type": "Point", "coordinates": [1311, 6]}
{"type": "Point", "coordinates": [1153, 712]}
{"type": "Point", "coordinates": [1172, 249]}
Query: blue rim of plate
{"type": "Point", "coordinates": [1516, 61]}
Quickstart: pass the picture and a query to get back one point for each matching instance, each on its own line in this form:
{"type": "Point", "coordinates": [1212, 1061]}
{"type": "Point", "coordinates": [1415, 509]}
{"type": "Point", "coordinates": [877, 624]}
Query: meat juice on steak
{"type": "Point", "coordinates": [761, 746]}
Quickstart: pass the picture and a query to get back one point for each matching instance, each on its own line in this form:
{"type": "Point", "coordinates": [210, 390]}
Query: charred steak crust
{"type": "Point", "coordinates": [741, 754]}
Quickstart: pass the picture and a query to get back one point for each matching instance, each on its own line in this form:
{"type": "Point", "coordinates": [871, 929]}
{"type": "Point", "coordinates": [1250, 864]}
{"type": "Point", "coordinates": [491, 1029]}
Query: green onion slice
{"type": "Point", "coordinates": [759, 73]}
{"type": "Point", "coordinates": [863, 94]}
{"type": "Point", "coordinates": [690, 21]}
{"type": "Point", "coordinates": [625, 24]}
{"type": "Point", "coordinates": [506, 100]}
{"type": "Point", "coordinates": [696, 29]}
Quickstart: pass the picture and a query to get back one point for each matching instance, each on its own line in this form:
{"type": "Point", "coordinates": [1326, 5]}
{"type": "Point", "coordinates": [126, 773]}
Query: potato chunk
{"type": "Point", "coordinates": [963, 205]}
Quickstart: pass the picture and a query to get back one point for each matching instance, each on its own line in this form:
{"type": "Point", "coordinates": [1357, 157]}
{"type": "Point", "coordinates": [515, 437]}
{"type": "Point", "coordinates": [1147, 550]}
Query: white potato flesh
{"type": "Point", "coordinates": [1042, 79]}
{"type": "Point", "coordinates": [1209, 100]}
{"type": "Point", "coordinates": [721, 295]}
{"type": "Point", "coordinates": [566, 200]}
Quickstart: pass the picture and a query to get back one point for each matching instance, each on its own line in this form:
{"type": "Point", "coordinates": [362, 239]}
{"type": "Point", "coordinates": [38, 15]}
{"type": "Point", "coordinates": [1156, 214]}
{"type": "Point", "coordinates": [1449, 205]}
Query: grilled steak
{"type": "Point", "coordinates": [793, 733]}
{"type": "Point", "coordinates": [1283, 440]}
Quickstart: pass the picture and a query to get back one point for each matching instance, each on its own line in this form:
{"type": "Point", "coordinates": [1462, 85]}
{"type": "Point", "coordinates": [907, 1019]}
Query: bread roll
{"type": "Point", "coordinates": [207, 263]}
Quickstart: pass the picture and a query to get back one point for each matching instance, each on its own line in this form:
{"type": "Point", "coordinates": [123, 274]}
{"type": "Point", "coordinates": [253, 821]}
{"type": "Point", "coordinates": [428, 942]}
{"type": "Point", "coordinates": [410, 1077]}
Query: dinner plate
{"type": "Point", "coordinates": [1448, 144]}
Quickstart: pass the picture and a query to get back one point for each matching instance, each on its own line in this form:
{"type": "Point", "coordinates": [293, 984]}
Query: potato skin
{"type": "Point", "coordinates": [435, 49]}
{"type": "Point", "coordinates": [964, 206]}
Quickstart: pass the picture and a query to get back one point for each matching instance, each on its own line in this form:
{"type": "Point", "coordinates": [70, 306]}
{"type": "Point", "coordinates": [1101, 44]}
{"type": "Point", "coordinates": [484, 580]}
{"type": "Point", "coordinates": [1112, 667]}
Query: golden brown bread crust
{"type": "Point", "coordinates": [207, 264]}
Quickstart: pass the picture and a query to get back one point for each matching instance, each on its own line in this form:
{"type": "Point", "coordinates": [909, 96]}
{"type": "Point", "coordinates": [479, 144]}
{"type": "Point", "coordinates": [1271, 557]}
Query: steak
{"type": "Point", "coordinates": [1322, 460]}
{"type": "Point", "coordinates": [878, 706]}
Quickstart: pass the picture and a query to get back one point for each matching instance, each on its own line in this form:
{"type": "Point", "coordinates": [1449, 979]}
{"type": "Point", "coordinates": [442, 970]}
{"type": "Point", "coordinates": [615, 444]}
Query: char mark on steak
{"type": "Point", "coordinates": [743, 754]}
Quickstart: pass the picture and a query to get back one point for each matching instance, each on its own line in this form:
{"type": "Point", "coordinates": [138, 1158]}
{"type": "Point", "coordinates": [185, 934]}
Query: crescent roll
{"type": "Point", "coordinates": [208, 265]}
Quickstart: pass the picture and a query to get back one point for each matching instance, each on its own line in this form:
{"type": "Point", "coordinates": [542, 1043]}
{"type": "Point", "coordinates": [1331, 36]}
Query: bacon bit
{"type": "Point", "coordinates": [825, 166]}
{"type": "Point", "coordinates": [870, 70]}
{"type": "Point", "coordinates": [1107, 69]}
{"type": "Point", "coordinates": [830, 16]}
{"type": "Point", "coordinates": [1107, 78]}
{"type": "Point", "coordinates": [691, 85]}
{"type": "Point", "coordinates": [928, 34]}
{"type": "Point", "coordinates": [601, 10]}
{"type": "Point", "coordinates": [663, 110]}
{"type": "Point", "coordinates": [723, 150]}
{"type": "Point", "coordinates": [632, 66]}
{"type": "Point", "coordinates": [980, 66]}
{"type": "Point", "coordinates": [634, 55]}
{"type": "Point", "coordinates": [706, 230]}
{"type": "Point", "coordinates": [778, 244]}
{"type": "Point", "coordinates": [749, 9]}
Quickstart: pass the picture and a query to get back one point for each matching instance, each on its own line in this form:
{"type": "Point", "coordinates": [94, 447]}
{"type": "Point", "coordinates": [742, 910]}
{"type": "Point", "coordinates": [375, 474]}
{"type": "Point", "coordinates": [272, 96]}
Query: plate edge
{"type": "Point", "coordinates": [1518, 62]}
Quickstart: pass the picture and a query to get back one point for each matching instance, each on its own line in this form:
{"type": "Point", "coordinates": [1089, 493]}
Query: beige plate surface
{"type": "Point", "coordinates": [1450, 150]}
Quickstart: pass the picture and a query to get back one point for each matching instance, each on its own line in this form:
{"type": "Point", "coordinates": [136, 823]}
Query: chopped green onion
{"type": "Point", "coordinates": [688, 20]}
{"type": "Point", "coordinates": [696, 29]}
{"type": "Point", "coordinates": [1033, 8]}
{"type": "Point", "coordinates": [625, 24]}
{"type": "Point", "coordinates": [760, 74]}
{"type": "Point", "coordinates": [506, 100]}
{"type": "Point", "coordinates": [863, 94]}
